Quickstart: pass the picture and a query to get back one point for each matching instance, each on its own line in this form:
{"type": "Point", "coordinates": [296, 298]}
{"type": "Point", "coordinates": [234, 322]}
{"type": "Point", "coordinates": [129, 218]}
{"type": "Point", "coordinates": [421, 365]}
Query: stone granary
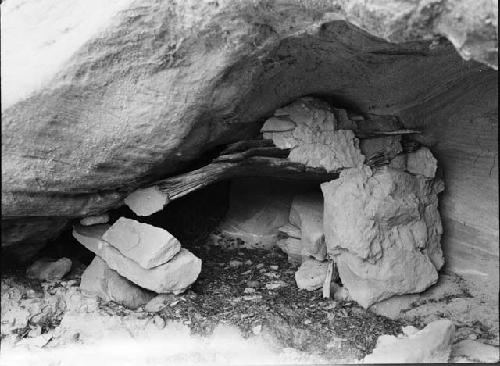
{"type": "Point", "coordinates": [340, 156]}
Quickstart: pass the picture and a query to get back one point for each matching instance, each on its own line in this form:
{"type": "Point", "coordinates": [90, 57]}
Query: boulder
{"type": "Point", "coordinates": [100, 280]}
{"type": "Point", "coordinates": [429, 345]}
{"type": "Point", "coordinates": [146, 201]}
{"type": "Point", "coordinates": [174, 276]}
{"type": "Point", "coordinates": [421, 162]}
{"type": "Point", "coordinates": [93, 220]}
{"type": "Point", "coordinates": [306, 213]}
{"type": "Point", "coordinates": [49, 270]}
{"type": "Point", "coordinates": [147, 245]}
{"type": "Point", "coordinates": [311, 274]}
{"type": "Point", "coordinates": [474, 351]}
{"type": "Point", "coordinates": [384, 227]}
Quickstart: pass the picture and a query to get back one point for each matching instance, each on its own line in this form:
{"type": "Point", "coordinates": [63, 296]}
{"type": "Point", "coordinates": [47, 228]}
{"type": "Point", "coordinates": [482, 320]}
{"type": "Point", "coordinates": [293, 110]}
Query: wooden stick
{"type": "Point", "coordinates": [328, 280]}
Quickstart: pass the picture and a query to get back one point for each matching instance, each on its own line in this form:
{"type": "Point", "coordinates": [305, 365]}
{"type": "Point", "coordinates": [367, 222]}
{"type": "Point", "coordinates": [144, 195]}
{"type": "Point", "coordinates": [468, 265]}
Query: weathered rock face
{"type": "Point", "coordinates": [385, 230]}
{"type": "Point", "coordinates": [132, 91]}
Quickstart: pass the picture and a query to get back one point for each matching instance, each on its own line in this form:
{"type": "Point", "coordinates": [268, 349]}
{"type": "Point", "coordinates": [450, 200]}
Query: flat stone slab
{"type": "Point", "coordinates": [145, 244]}
{"type": "Point", "coordinates": [174, 276]}
{"type": "Point", "coordinates": [93, 220]}
{"type": "Point", "coordinates": [147, 201]}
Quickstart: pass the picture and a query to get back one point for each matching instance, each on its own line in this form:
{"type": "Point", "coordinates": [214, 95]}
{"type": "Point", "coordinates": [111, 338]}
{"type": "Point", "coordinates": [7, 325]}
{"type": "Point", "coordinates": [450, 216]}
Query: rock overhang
{"type": "Point", "coordinates": [145, 97]}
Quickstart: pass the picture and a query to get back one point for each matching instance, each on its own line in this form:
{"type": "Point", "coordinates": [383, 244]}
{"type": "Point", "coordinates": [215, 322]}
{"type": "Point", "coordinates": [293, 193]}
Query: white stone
{"type": "Point", "coordinates": [385, 229]}
{"type": "Point", "coordinates": [235, 263]}
{"type": "Point", "coordinates": [100, 280]}
{"type": "Point", "coordinates": [158, 302]}
{"type": "Point", "coordinates": [311, 274]}
{"type": "Point", "coordinates": [422, 162]}
{"type": "Point", "coordinates": [174, 276]}
{"type": "Point", "coordinates": [93, 220]}
{"type": "Point", "coordinates": [145, 244]}
{"type": "Point", "coordinates": [47, 270]}
{"type": "Point", "coordinates": [147, 201]}
{"type": "Point", "coordinates": [307, 213]}
{"type": "Point", "coordinates": [476, 351]}
{"type": "Point", "coordinates": [274, 124]}
{"type": "Point", "coordinates": [429, 345]}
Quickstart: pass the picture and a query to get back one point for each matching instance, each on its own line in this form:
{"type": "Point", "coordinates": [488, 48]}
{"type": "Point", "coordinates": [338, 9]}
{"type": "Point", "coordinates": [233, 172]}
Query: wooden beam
{"type": "Point", "coordinates": [260, 166]}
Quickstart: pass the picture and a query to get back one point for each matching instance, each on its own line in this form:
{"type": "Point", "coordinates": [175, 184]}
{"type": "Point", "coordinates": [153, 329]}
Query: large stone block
{"type": "Point", "coordinates": [145, 244]}
{"type": "Point", "coordinates": [174, 276]}
{"type": "Point", "coordinates": [100, 280]}
{"type": "Point", "coordinates": [385, 229]}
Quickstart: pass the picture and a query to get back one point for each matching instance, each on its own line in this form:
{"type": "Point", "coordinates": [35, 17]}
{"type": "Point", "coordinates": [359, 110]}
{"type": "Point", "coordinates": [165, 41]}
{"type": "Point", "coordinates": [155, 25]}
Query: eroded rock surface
{"type": "Point", "coordinates": [384, 228]}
